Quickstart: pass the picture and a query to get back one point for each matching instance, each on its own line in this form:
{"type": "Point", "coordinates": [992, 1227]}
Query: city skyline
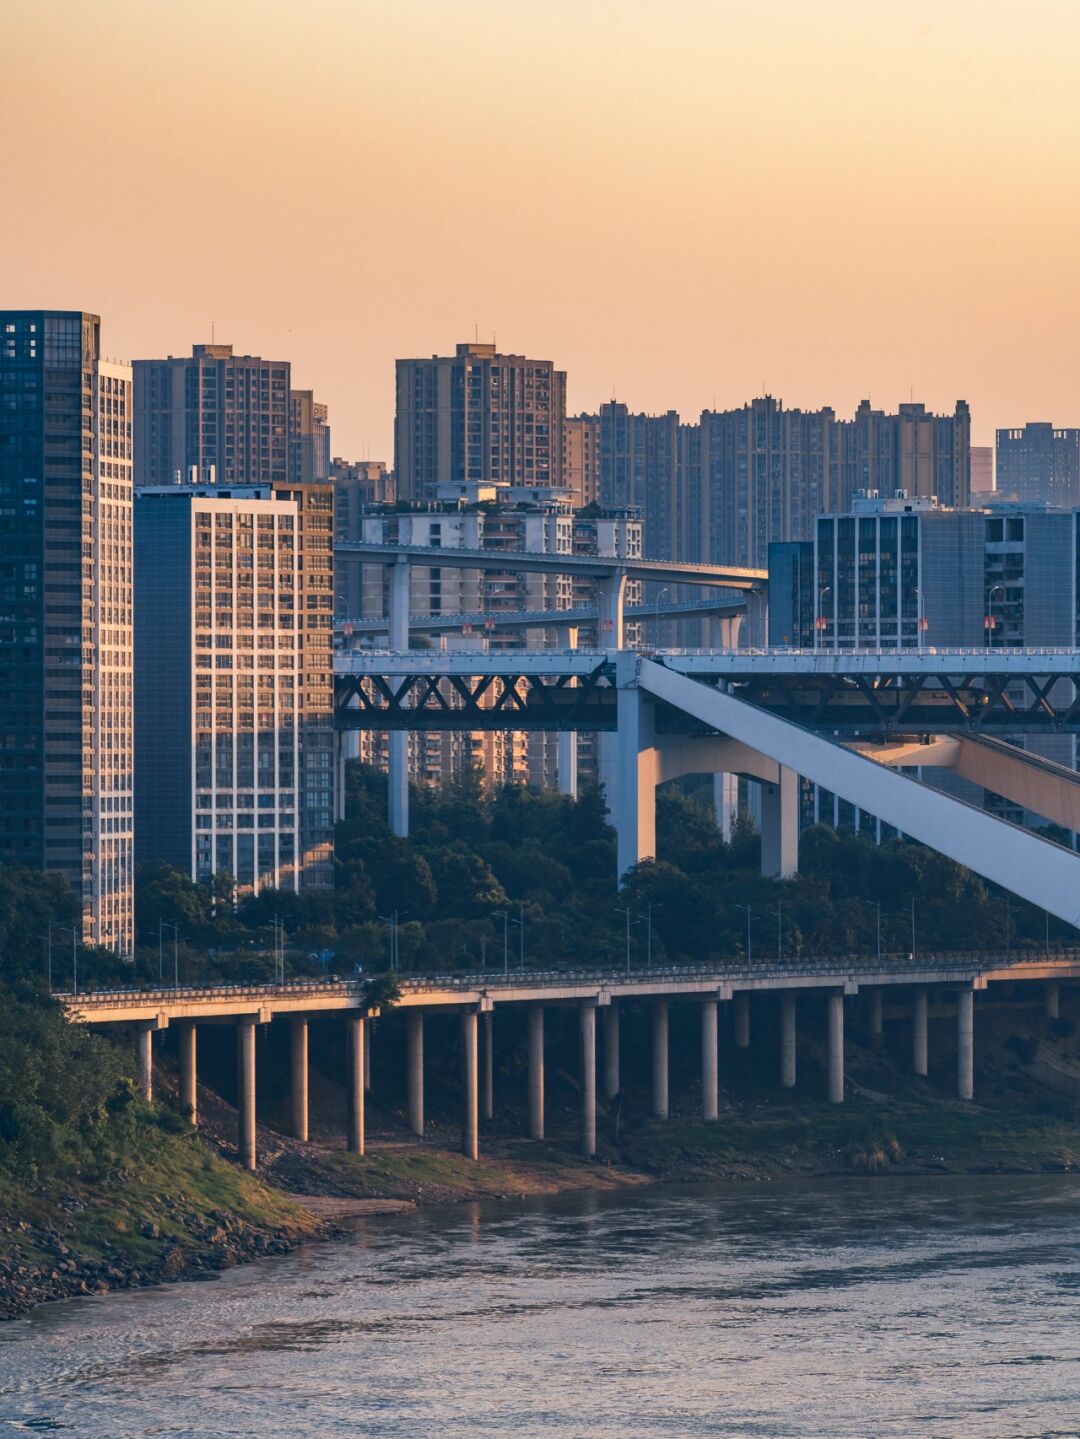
{"type": "Point", "coordinates": [380, 244]}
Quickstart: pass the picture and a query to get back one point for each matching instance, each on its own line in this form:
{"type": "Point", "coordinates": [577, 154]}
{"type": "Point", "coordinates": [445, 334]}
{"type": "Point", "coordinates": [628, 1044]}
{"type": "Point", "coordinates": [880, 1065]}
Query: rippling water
{"type": "Point", "coordinates": [912, 1308]}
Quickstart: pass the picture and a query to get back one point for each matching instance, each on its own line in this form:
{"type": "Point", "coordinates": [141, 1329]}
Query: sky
{"type": "Point", "coordinates": [683, 204]}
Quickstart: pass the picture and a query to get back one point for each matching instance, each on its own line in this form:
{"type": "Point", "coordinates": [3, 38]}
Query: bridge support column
{"type": "Point", "coordinates": [611, 1051]}
{"type": "Point", "coordinates": [787, 1039]}
{"type": "Point", "coordinates": [368, 1038]}
{"type": "Point", "coordinates": [298, 1077]}
{"type": "Point", "coordinates": [399, 741]}
{"type": "Point", "coordinates": [414, 1069]}
{"type": "Point", "coordinates": [635, 785]}
{"type": "Point", "coordinates": [567, 762]}
{"type": "Point", "coordinates": [398, 783]}
{"type": "Point", "coordinates": [245, 1090]}
{"type": "Point", "coordinates": [710, 1095]}
{"type": "Point", "coordinates": [189, 1101]}
{"type": "Point", "coordinates": [919, 1041]}
{"type": "Point", "coordinates": [470, 1115]}
{"type": "Point", "coordinates": [836, 1047]}
{"type": "Point", "coordinates": [780, 826]}
{"type": "Point", "coordinates": [489, 1066]}
{"type": "Point", "coordinates": [741, 1004]}
{"type": "Point", "coordinates": [587, 1034]}
{"type": "Point", "coordinates": [877, 1006]}
{"type": "Point", "coordinates": [356, 1026]}
{"type": "Point", "coordinates": [339, 775]}
{"type": "Point", "coordinates": [725, 802]}
{"type": "Point", "coordinates": [965, 1044]}
{"type": "Point", "coordinates": [660, 1058]}
{"type": "Point", "coordinates": [610, 600]}
{"type": "Point", "coordinates": [144, 1044]}
{"type": "Point", "coordinates": [1052, 1000]}
{"type": "Point", "coordinates": [536, 1071]}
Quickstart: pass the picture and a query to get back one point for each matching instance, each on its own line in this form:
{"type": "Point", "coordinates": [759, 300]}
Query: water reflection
{"type": "Point", "coordinates": [945, 1307]}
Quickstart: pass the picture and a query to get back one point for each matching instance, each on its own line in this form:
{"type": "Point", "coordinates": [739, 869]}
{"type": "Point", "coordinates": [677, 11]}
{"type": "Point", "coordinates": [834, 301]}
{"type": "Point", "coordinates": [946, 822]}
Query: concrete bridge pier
{"type": "Point", "coordinates": [1052, 1000]}
{"type": "Point", "coordinates": [587, 1035]}
{"type": "Point", "coordinates": [368, 1037]}
{"type": "Point", "coordinates": [355, 1036]}
{"type": "Point", "coordinates": [787, 1039]}
{"type": "Point", "coordinates": [188, 1078]}
{"type": "Point", "coordinates": [919, 1043]}
{"type": "Point", "coordinates": [489, 1067]}
{"type": "Point", "coordinates": [877, 1007]}
{"type": "Point", "coordinates": [414, 1069]}
{"type": "Point", "coordinates": [741, 1005]}
{"type": "Point", "coordinates": [710, 1096]}
{"type": "Point", "coordinates": [836, 1046]}
{"type": "Point", "coordinates": [780, 826]}
{"type": "Point", "coordinates": [566, 763]}
{"type": "Point", "coordinates": [536, 1071]}
{"type": "Point", "coordinates": [245, 1089]}
{"type": "Point", "coordinates": [144, 1050]}
{"type": "Point", "coordinates": [298, 1077]}
{"type": "Point", "coordinates": [470, 1096]}
{"type": "Point", "coordinates": [611, 1051]}
{"type": "Point", "coordinates": [965, 1044]}
{"type": "Point", "coordinates": [660, 1059]}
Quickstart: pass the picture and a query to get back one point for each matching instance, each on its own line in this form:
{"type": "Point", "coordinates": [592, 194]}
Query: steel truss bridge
{"type": "Point", "coordinates": [859, 695]}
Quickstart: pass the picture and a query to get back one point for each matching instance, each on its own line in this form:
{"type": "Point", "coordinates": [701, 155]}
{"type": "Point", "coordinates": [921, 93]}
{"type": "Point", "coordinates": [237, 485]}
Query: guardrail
{"type": "Point", "coordinates": [737, 967]}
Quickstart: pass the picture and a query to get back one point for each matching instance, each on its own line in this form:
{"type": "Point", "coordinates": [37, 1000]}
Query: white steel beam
{"type": "Point", "coordinates": [1046, 874]}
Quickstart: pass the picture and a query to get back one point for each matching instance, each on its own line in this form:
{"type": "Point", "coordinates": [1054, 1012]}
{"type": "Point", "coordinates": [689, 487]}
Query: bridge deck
{"type": "Point", "coordinates": [484, 991]}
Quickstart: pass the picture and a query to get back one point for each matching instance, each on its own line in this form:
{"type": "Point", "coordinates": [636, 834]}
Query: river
{"type": "Point", "coordinates": [915, 1308]}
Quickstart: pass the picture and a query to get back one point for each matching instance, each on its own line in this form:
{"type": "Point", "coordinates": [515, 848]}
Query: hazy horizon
{"type": "Point", "coordinates": [682, 205]}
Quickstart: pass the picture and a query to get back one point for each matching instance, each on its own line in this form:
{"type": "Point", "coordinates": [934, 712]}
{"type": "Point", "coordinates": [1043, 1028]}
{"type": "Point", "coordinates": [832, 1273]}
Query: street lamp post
{"type": "Point", "coordinates": [990, 613]}
{"type": "Point", "coordinates": [665, 591]}
{"type": "Point", "coordinates": [504, 915]}
{"type": "Point", "coordinates": [628, 912]}
{"type": "Point", "coordinates": [748, 912]}
{"type": "Point", "coordinates": [920, 618]}
{"type": "Point", "coordinates": [819, 618]}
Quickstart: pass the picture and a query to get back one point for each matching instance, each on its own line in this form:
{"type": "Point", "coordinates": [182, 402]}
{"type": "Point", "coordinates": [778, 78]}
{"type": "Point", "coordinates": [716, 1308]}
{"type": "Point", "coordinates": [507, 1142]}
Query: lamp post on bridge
{"type": "Point", "coordinates": [990, 624]}
{"type": "Point", "coordinates": [628, 912]}
{"type": "Point", "coordinates": [819, 618]}
{"type": "Point", "coordinates": [164, 924]}
{"type": "Point", "coordinates": [504, 915]}
{"type": "Point", "coordinates": [748, 915]}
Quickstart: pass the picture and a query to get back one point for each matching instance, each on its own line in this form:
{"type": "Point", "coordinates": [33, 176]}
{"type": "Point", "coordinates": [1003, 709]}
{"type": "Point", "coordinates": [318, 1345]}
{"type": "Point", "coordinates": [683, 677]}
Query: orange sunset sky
{"type": "Point", "coordinates": [679, 202]}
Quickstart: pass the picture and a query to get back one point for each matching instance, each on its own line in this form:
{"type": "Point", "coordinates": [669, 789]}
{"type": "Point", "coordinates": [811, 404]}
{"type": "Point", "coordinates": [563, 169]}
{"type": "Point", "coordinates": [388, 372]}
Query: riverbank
{"type": "Point", "coordinates": [180, 1208]}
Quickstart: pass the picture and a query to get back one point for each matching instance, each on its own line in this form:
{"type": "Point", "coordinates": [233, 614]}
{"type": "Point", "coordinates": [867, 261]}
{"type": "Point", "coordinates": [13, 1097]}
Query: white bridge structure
{"type": "Point", "coordinates": [851, 723]}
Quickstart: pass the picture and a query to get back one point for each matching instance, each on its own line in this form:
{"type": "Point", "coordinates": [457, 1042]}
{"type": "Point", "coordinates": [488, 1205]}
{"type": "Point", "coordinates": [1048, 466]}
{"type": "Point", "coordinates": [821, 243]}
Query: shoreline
{"type": "Point", "coordinates": [44, 1260]}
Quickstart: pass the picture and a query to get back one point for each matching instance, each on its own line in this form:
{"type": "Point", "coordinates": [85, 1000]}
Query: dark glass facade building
{"type": "Point", "coordinates": [66, 612]}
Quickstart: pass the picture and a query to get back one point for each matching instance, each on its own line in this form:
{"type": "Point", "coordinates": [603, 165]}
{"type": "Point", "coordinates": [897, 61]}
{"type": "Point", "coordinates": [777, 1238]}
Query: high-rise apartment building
{"type": "Point", "coordinates": [477, 416]}
{"type": "Point", "coordinates": [213, 414]}
{"type": "Point", "coordinates": [309, 438]}
{"type": "Point", "coordinates": [1039, 463]}
{"type": "Point", "coordinates": [234, 682]}
{"type": "Point", "coordinates": [982, 473]}
{"type": "Point", "coordinates": [581, 460]}
{"type": "Point", "coordinates": [66, 612]}
{"type": "Point", "coordinates": [639, 466]}
{"type": "Point", "coordinates": [357, 485]}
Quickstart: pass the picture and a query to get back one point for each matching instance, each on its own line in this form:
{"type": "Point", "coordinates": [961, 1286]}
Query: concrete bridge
{"type": "Point", "coordinates": [824, 983]}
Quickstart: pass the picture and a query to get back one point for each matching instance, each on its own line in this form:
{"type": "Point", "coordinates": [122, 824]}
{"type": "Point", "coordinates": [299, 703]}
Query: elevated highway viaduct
{"type": "Point", "coordinates": [910, 983]}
